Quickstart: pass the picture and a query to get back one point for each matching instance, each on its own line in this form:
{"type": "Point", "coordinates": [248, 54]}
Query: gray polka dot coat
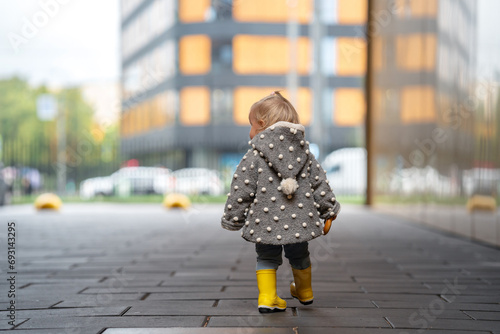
{"type": "Point", "coordinates": [279, 192]}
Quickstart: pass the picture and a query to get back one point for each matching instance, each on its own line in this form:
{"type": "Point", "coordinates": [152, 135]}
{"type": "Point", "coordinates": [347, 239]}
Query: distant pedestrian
{"type": "Point", "coordinates": [279, 196]}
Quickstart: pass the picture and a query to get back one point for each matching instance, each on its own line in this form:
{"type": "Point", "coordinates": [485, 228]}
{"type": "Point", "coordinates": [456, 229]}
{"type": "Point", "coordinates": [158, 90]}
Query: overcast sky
{"type": "Point", "coordinates": [80, 42]}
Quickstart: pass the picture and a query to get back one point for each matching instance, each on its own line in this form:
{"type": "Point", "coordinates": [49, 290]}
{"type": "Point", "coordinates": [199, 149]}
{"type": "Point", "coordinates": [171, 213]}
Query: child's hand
{"type": "Point", "coordinates": [328, 224]}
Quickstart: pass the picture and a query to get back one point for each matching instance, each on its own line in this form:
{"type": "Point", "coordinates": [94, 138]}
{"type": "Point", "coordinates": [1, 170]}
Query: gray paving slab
{"type": "Point", "coordinates": [336, 330]}
{"type": "Point", "coordinates": [208, 330]}
{"type": "Point", "coordinates": [372, 313]}
{"type": "Point", "coordinates": [67, 312]}
{"type": "Point", "coordinates": [291, 321]}
{"type": "Point", "coordinates": [67, 330]}
{"type": "Point", "coordinates": [174, 273]}
{"type": "Point", "coordinates": [103, 322]}
{"type": "Point", "coordinates": [484, 315]}
{"type": "Point", "coordinates": [422, 322]}
{"type": "Point", "coordinates": [160, 289]}
{"type": "Point", "coordinates": [449, 306]}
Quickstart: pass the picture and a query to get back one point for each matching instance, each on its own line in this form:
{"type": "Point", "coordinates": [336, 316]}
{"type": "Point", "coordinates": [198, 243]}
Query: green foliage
{"type": "Point", "coordinates": [27, 141]}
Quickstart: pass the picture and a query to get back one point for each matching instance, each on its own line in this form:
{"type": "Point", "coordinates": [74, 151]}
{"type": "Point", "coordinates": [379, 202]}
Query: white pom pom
{"type": "Point", "coordinates": [289, 186]}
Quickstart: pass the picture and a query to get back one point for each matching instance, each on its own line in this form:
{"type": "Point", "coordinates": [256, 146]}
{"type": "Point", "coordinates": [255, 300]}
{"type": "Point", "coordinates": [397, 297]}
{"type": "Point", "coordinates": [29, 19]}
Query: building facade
{"type": "Point", "coordinates": [424, 77]}
{"type": "Point", "coordinates": [191, 69]}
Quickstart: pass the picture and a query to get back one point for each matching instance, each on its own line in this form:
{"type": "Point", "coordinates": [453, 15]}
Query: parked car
{"type": "Point", "coordinates": [140, 179]}
{"type": "Point", "coordinates": [126, 181]}
{"type": "Point", "coordinates": [96, 186]}
{"type": "Point", "coordinates": [346, 170]}
{"type": "Point", "coordinates": [197, 181]}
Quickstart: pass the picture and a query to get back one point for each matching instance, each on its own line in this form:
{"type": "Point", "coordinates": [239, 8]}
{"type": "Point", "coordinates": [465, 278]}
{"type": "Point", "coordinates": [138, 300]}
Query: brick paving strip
{"type": "Point", "coordinates": [134, 269]}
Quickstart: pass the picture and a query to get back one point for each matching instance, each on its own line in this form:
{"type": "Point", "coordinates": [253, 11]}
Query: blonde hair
{"type": "Point", "coordinates": [274, 108]}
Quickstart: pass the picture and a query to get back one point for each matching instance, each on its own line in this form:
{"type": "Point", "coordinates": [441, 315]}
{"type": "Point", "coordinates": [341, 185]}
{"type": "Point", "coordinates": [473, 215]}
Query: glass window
{"type": "Point", "coordinates": [151, 22]}
{"type": "Point", "coordinates": [270, 11]}
{"type": "Point", "coordinates": [268, 54]}
{"type": "Point", "coordinates": [128, 6]}
{"type": "Point", "coordinates": [326, 116]}
{"type": "Point", "coordinates": [222, 54]}
{"type": "Point", "coordinates": [349, 107]}
{"type": "Point", "coordinates": [328, 55]}
{"type": "Point", "coordinates": [222, 106]}
{"type": "Point", "coordinates": [329, 11]}
{"type": "Point", "coordinates": [352, 11]}
{"type": "Point", "coordinates": [195, 106]}
{"type": "Point", "coordinates": [195, 54]}
{"type": "Point", "coordinates": [223, 9]}
{"type": "Point", "coordinates": [351, 56]}
{"type": "Point", "coordinates": [194, 10]}
{"type": "Point", "coordinates": [150, 70]}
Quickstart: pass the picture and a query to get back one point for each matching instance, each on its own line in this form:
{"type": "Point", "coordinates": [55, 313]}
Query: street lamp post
{"type": "Point", "coordinates": [47, 110]}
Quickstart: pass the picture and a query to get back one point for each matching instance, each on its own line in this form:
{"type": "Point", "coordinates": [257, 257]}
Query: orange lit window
{"type": "Point", "coordinates": [352, 11]}
{"type": "Point", "coordinates": [268, 55]}
{"type": "Point", "coordinates": [158, 118]}
{"type": "Point", "coordinates": [270, 11]}
{"type": "Point", "coordinates": [416, 52]}
{"type": "Point", "coordinates": [349, 107]}
{"type": "Point", "coordinates": [195, 54]}
{"type": "Point", "coordinates": [421, 8]}
{"type": "Point", "coordinates": [351, 56]}
{"type": "Point", "coordinates": [193, 10]}
{"type": "Point", "coordinates": [244, 97]}
{"type": "Point", "coordinates": [195, 106]}
{"type": "Point", "coordinates": [417, 104]}
{"type": "Point", "coordinates": [415, 8]}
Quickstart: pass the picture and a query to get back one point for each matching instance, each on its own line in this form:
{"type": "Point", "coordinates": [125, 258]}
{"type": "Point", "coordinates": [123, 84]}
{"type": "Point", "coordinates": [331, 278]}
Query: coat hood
{"type": "Point", "coordinates": [284, 148]}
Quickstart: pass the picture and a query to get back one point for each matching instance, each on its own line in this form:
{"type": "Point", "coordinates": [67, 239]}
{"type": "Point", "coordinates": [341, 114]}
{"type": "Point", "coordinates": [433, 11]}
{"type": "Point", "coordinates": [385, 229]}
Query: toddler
{"type": "Point", "coordinates": [279, 194]}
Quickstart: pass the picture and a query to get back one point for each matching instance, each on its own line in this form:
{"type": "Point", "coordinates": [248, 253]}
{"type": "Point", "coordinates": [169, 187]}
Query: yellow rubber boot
{"type": "Point", "coordinates": [268, 298]}
{"type": "Point", "coordinates": [301, 288]}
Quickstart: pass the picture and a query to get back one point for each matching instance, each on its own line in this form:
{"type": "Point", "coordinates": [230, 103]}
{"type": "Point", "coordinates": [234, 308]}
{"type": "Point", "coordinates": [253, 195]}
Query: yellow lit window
{"type": "Point", "coordinates": [423, 8]}
{"type": "Point", "coordinates": [416, 52]}
{"type": "Point", "coordinates": [351, 56]}
{"type": "Point", "coordinates": [418, 104]}
{"type": "Point", "coordinates": [195, 54]}
{"type": "Point", "coordinates": [352, 11]}
{"type": "Point", "coordinates": [349, 107]}
{"type": "Point", "coordinates": [271, 10]}
{"type": "Point", "coordinates": [268, 55]}
{"type": "Point", "coordinates": [193, 10]}
{"type": "Point", "coordinates": [195, 106]}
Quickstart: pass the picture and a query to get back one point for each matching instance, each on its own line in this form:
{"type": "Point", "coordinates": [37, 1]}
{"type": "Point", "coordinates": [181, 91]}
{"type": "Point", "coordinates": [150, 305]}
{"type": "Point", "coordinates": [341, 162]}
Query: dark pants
{"type": "Point", "coordinates": [269, 256]}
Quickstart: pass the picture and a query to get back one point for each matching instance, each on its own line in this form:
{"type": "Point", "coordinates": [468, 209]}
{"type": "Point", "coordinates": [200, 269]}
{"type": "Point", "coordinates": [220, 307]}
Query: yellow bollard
{"type": "Point", "coordinates": [48, 201]}
{"type": "Point", "coordinates": [481, 202]}
{"type": "Point", "coordinates": [175, 200]}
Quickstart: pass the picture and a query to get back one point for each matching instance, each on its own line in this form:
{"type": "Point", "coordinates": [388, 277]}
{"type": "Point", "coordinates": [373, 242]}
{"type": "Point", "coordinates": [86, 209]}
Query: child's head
{"type": "Point", "coordinates": [269, 110]}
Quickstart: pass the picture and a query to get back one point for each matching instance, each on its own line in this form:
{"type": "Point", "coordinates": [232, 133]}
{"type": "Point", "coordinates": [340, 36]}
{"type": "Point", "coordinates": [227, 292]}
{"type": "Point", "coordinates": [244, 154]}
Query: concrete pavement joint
{"type": "Point", "coordinates": [389, 322]}
{"type": "Point", "coordinates": [125, 311]}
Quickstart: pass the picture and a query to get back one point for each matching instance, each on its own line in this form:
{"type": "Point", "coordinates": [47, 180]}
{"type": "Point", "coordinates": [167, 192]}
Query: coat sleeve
{"type": "Point", "coordinates": [242, 193]}
{"type": "Point", "coordinates": [327, 203]}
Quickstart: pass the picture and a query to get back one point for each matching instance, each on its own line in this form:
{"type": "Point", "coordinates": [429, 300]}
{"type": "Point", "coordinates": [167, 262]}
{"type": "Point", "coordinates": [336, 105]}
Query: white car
{"type": "Point", "coordinates": [346, 170]}
{"type": "Point", "coordinates": [197, 181]}
{"type": "Point", "coordinates": [126, 181]}
{"type": "Point", "coordinates": [96, 186]}
{"type": "Point", "coordinates": [140, 180]}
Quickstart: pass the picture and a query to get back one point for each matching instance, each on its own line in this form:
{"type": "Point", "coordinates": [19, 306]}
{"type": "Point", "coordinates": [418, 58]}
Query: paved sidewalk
{"type": "Point", "coordinates": [141, 269]}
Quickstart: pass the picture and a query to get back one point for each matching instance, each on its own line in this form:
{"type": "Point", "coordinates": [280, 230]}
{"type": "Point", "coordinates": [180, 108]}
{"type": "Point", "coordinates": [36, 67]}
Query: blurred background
{"type": "Point", "coordinates": [130, 100]}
